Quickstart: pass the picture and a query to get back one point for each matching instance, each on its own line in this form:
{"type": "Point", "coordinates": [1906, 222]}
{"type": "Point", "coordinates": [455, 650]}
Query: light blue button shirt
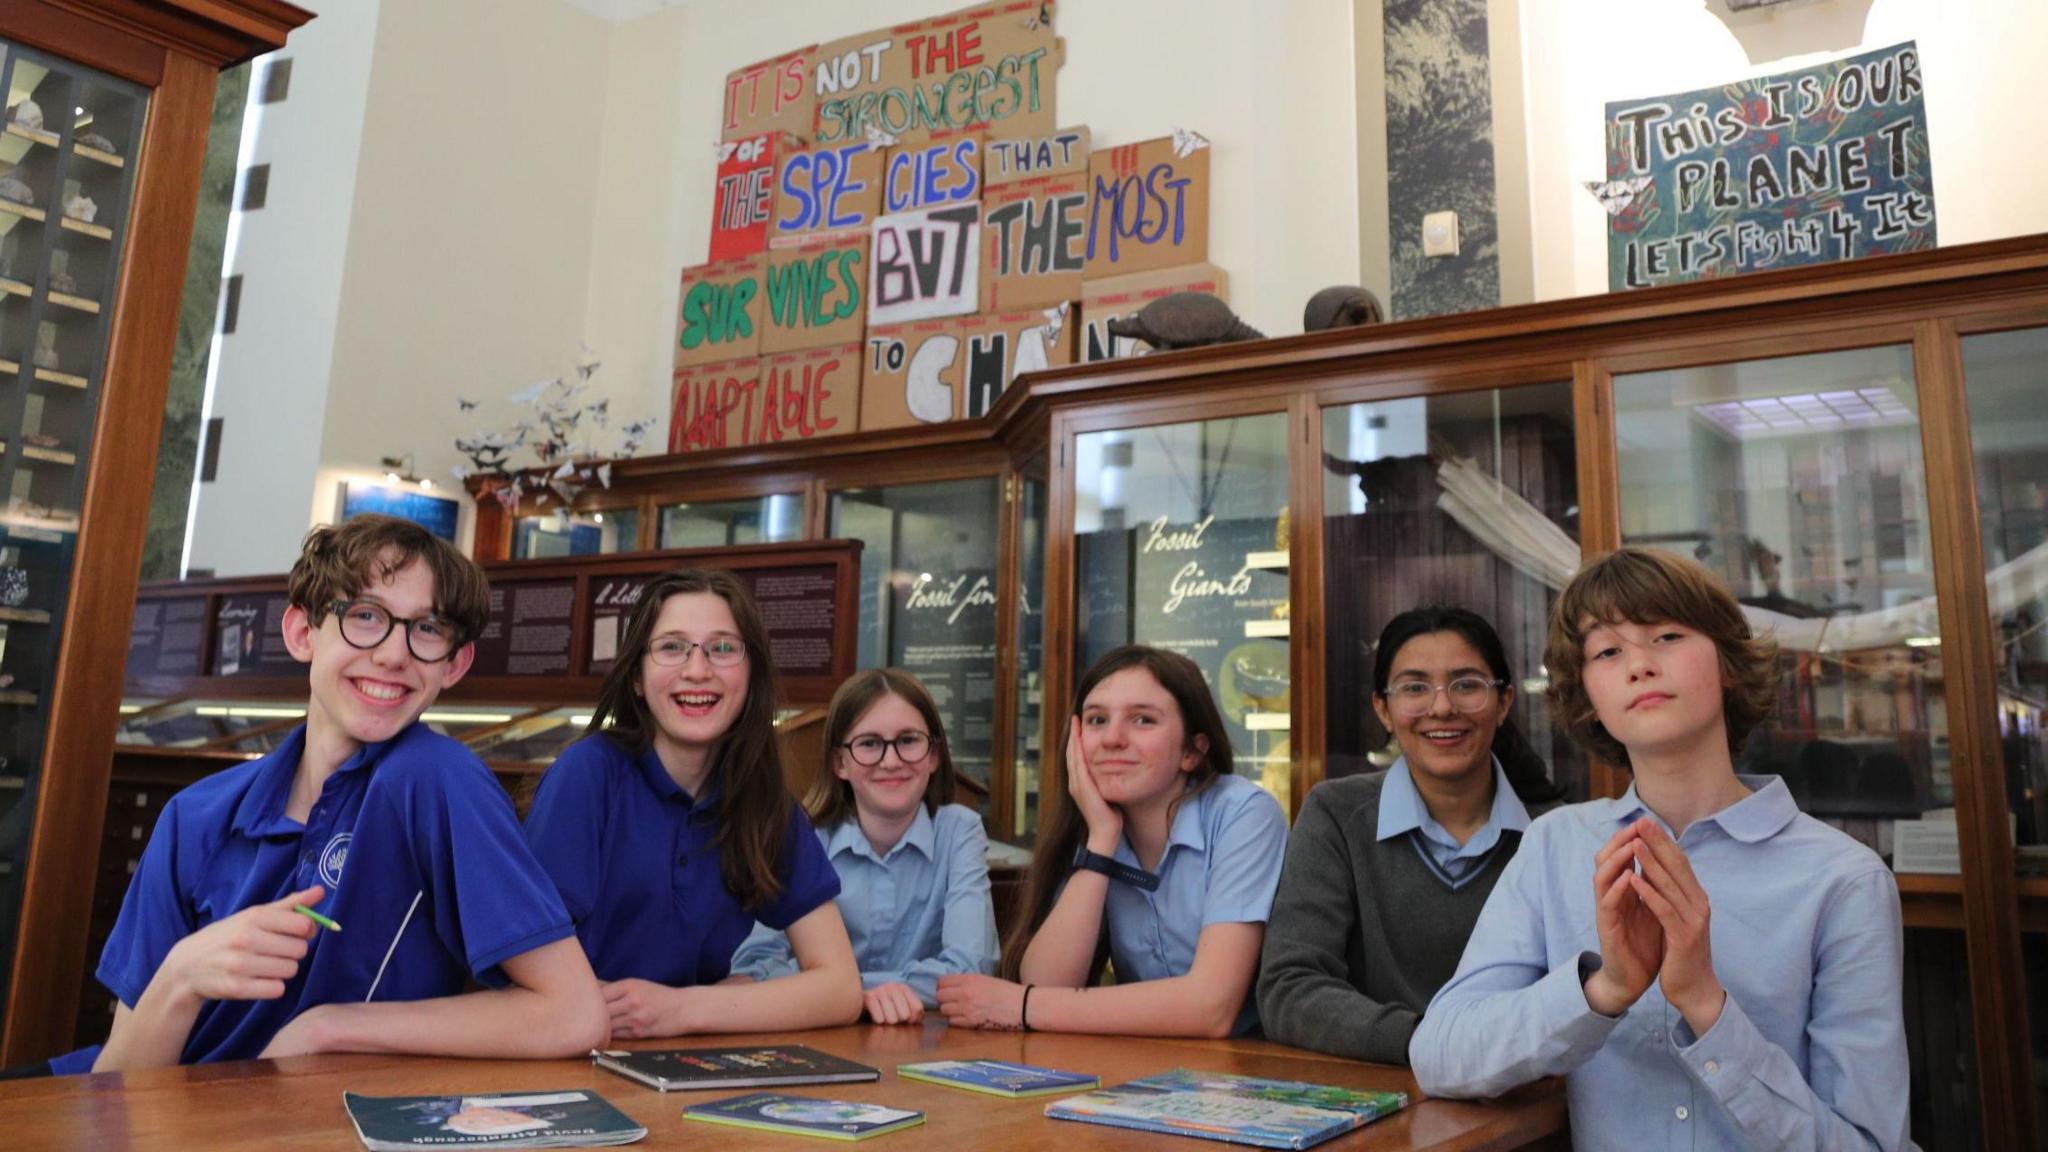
{"type": "Point", "coordinates": [1402, 811]}
{"type": "Point", "coordinates": [915, 913]}
{"type": "Point", "coordinates": [1221, 866]}
{"type": "Point", "coordinates": [1810, 1048]}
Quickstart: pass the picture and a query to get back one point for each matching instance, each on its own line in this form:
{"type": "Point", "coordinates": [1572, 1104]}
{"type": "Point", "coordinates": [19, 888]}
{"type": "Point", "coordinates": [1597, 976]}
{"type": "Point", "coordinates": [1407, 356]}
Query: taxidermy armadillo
{"type": "Point", "coordinates": [1184, 320]}
{"type": "Point", "coordinates": [1343, 306]}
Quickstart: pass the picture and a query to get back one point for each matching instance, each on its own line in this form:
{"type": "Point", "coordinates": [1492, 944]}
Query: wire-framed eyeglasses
{"type": "Point", "coordinates": [365, 624]}
{"type": "Point", "coordinates": [911, 748]}
{"type": "Point", "coordinates": [1416, 697]}
{"type": "Point", "coordinates": [721, 651]}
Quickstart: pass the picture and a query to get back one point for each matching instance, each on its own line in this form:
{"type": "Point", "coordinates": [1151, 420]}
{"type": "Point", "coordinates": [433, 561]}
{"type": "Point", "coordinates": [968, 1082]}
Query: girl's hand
{"type": "Point", "coordinates": [247, 956]}
{"type": "Point", "coordinates": [893, 1004]}
{"type": "Point", "coordinates": [302, 1036]}
{"type": "Point", "coordinates": [976, 1001]}
{"type": "Point", "coordinates": [1668, 888]}
{"type": "Point", "coordinates": [1631, 939]}
{"type": "Point", "coordinates": [641, 1009]}
{"type": "Point", "coordinates": [1105, 823]}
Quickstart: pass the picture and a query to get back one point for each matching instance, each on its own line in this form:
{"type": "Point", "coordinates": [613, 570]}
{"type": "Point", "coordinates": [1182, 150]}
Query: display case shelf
{"type": "Point", "coordinates": [97, 156]}
{"type": "Point", "coordinates": [85, 228]}
{"type": "Point", "coordinates": [24, 616]}
{"type": "Point", "coordinates": [78, 303]}
{"type": "Point", "coordinates": [48, 455]}
{"type": "Point", "coordinates": [34, 135]}
{"type": "Point", "coordinates": [25, 211]}
{"type": "Point", "coordinates": [23, 699]}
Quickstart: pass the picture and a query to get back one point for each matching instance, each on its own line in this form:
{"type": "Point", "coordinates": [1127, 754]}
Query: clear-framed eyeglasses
{"type": "Point", "coordinates": [365, 624]}
{"type": "Point", "coordinates": [1416, 698]}
{"type": "Point", "coordinates": [911, 748]}
{"type": "Point", "coordinates": [720, 651]}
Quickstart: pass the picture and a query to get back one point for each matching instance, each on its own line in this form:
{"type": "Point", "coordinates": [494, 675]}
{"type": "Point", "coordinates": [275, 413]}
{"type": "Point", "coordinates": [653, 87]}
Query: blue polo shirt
{"type": "Point", "coordinates": [1221, 866]}
{"type": "Point", "coordinates": [420, 852]}
{"type": "Point", "coordinates": [636, 860]}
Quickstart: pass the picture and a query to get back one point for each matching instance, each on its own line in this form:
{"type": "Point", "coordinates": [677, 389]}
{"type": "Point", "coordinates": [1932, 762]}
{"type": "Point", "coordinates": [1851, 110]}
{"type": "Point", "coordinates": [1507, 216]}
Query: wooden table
{"type": "Point", "coordinates": [296, 1103]}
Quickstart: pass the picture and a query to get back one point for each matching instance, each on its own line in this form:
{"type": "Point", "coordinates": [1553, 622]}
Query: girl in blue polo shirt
{"type": "Point", "coordinates": [670, 832]}
{"type": "Point", "coordinates": [913, 866]}
{"type": "Point", "coordinates": [1154, 855]}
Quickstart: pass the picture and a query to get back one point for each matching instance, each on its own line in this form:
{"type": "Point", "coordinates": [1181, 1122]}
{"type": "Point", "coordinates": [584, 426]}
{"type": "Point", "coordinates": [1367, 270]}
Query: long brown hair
{"type": "Point", "coordinates": [832, 804]}
{"type": "Point", "coordinates": [746, 766]}
{"type": "Point", "coordinates": [1062, 831]}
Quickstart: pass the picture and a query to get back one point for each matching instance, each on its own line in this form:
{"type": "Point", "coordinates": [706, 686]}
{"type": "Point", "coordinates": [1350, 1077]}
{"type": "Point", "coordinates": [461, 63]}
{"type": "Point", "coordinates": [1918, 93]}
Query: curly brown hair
{"type": "Point", "coordinates": [336, 562]}
{"type": "Point", "coordinates": [1650, 586]}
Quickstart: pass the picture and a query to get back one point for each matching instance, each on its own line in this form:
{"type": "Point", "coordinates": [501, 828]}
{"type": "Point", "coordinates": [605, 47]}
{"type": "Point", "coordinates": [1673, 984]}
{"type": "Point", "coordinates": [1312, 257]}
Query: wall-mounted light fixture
{"type": "Point", "coordinates": [399, 470]}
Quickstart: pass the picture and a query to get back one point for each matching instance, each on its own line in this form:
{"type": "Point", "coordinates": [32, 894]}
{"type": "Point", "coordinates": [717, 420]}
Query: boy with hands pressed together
{"type": "Point", "coordinates": [1790, 1035]}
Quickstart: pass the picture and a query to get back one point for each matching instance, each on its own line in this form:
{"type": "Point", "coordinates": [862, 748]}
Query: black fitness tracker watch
{"type": "Point", "coordinates": [1120, 872]}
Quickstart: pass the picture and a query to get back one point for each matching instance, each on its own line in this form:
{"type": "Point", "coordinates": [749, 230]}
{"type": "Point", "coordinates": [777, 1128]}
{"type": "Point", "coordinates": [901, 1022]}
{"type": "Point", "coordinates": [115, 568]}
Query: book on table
{"type": "Point", "coordinates": [569, 1119]}
{"type": "Point", "coordinates": [691, 1069]}
{"type": "Point", "coordinates": [997, 1077]}
{"type": "Point", "coordinates": [1234, 1109]}
{"type": "Point", "coordinates": [805, 1115]}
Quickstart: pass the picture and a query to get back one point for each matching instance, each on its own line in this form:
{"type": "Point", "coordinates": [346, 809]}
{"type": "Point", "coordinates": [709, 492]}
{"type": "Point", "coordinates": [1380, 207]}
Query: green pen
{"type": "Point", "coordinates": [316, 918]}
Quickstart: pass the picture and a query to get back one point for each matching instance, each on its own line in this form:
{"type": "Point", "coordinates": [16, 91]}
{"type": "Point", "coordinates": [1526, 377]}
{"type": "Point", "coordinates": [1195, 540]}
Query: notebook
{"type": "Point", "coordinates": [997, 1077]}
{"type": "Point", "coordinates": [805, 1116]}
{"type": "Point", "coordinates": [570, 1119]}
{"type": "Point", "coordinates": [1234, 1109]}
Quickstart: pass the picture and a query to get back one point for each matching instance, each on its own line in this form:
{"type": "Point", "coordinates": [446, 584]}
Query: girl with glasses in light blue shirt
{"type": "Point", "coordinates": [913, 866]}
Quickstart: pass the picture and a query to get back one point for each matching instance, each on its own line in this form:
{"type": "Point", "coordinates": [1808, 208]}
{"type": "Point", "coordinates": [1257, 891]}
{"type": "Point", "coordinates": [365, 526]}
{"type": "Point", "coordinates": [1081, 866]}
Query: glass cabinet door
{"type": "Point", "coordinates": [928, 600]}
{"type": "Point", "coordinates": [552, 535]}
{"type": "Point", "coordinates": [1180, 541]}
{"type": "Point", "coordinates": [2006, 378]}
{"type": "Point", "coordinates": [68, 137]}
{"type": "Point", "coordinates": [1030, 688]}
{"type": "Point", "coordinates": [718, 523]}
{"type": "Point", "coordinates": [1799, 481]}
{"type": "Point", "coordinates": [1466, 500]}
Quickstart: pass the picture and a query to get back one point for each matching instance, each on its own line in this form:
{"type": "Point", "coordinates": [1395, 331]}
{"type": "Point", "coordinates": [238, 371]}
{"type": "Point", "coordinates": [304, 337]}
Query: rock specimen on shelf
{"type": "Point", "coordinates": [1184, 320]}
{"type": "Point", "coordinates": [80, 207]}
{"type": "Point", "coordinates": [13, 587]}
{"type": "Point", "coordinates": [13, 188]}
{"type": "Point", "coordinates": [95, 140]}
{"type": "Point", "coordinates": [29, 115]}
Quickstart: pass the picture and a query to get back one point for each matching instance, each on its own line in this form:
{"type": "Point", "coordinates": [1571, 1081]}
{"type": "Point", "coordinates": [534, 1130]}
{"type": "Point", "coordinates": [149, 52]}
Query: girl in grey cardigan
{"type": "Point", "coordinates": [1386, 872]}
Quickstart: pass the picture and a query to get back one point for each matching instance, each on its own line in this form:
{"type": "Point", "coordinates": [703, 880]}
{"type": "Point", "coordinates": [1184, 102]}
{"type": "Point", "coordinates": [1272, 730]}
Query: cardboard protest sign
{"type": "Point", "coordinates": [1148, 208]}
{"type": "Point", "coordinates": [1034, 235]}
{"type": "Point", "coordinates": [719, 312]}
{"type": "Point", "coordinates": [931, 371]}
{"type": "Point", "coordinates": [925, 263]}
{"type": "Point", "coordinates": [746, 193]}
{"type": "Point", "coordinates": [910, 374]}
{"type": "Point", "coordinates": [817, 293]}
{"type": "Point", "coordinates": [938, 173]}
{"type": "Point", "coordinates": [772, 96]}
{"type": "Point", "coordinates": [805, 395]}
{"type": "Point", "coordinates": [1056, 153]}
{"type": "Point", "coordinates": [705, 403]}
{"type": "Point", "coordinates": [999, 347]}
{"type": "Point", "coordinates": [826, 188]}
{"type": "Point", "coordinates": [990, 65]}
{"type": "Point", "coordinates": [1824, 163]}
{"type": "Point", "coordinates": [1106, 300]}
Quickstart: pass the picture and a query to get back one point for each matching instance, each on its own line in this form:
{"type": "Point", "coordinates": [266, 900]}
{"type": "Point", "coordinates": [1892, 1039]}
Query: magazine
{"type": "Point", "coordinates": [997, 1077]}
{"type": "Point", "coordinates": [524, 1120]}
{"type": "Point", "coordinates": [1235, 1109]}
{"type": "Point", "coordinates": [805, 1115]}
{"type": "Point", "coordinates": [687, 1069]}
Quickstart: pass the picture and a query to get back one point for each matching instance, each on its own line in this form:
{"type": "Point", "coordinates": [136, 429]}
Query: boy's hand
{"type": "Point", "coordinates": [1105, 823]}
{"type": "Point", "coordinates": [893, 1004]}
{"type": "Point", "coordinates": [247, 956]}
{"type": "Point", "coordinates": [972, 1000]}
{"type": "Point", "coordinates": [1631, 939]}
{"type": "Point", "coordinates": [1668, 888]}
{"type": "Point", "coordinates": [641, 1009]}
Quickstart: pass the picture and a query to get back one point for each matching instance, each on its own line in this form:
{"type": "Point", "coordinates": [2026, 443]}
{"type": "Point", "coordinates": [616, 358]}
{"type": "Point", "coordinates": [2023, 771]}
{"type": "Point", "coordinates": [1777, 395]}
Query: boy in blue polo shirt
{"type": "Point", "coordinates": [398, 834]}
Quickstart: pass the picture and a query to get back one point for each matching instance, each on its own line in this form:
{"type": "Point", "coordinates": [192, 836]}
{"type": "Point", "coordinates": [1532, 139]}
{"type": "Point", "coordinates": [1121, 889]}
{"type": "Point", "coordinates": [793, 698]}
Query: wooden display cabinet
{"type": "Point", "coordinates": [1742, 341]}
{"type": "Point", "coordinates": [108, 104]}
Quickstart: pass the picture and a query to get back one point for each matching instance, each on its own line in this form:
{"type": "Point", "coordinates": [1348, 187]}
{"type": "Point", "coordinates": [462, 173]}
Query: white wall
{"type": "Point", "coordinates": [1981, 59]}
{"type": "Point", "coordinates": [270, 382]}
